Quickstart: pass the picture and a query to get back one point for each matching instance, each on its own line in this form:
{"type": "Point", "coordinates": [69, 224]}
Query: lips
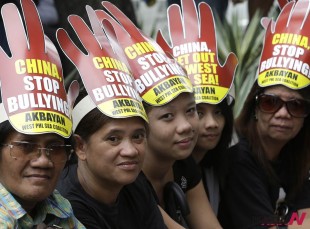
{"type": "Point", "coordinates": [128, 165]}
{"type": "Point", "coordinates": [210, 135]}
{"type": "Point", "coordinates": [185, 142]}
{"type": "Point", "coordinates": [281, 127]}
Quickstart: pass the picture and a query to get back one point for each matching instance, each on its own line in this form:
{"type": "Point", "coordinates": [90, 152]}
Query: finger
{"type": "Point", "coordinates": [96, 26]}
{"type": "Point", "coordinates": [68, 47]}
{"type": "Point", "coordinates": [33, 26]}
{"type": "Point", "coordinates": [53, 54]}
{"type": "Point", "coordinates": [121, 33]}
{"type": "Point", "coordinates": [265, 22]}
{"type": "Point", "coordinates": [283, 17]}
{"type": "Point", "coordinates": [228, 69]}
{"type": "Point", "coordinates": [84, 34]}
{"type": "Point", "coordinates": [282, 3]}
{"type": "Point", "coordinates": [73, 92]}
{"type": "Point", "coordinates": [207, 26]}
{"type": "Point", "coordinates": [300, 14]}
{"type": "Point", "coordinates": [163, 43]}
{"type": "Point", "coordinates": [113, 41]}
{"type": "Point", "coordinates": [14, 28]}
{"type": "Point", "coordinates": [122, 18]}
{"type": "Point", "coordinates": [231, 62]}
{"type": "Point", "coordinates": [175, 25]}
{"type": "Point", "coordinates": [190, 19]}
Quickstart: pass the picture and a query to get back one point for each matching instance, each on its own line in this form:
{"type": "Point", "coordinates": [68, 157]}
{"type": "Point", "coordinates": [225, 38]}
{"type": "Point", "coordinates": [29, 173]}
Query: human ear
{"type": "Point", "coordinates": [80, 146]}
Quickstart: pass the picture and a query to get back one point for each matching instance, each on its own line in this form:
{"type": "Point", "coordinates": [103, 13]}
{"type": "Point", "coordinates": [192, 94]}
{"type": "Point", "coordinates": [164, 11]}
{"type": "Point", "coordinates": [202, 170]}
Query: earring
{"type": "Point", "coordinates": [255, 117]}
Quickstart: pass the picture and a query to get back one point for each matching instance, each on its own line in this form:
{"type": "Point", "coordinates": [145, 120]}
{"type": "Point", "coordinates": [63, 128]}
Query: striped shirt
{"type": "Point", "coordinates": [55, 210]}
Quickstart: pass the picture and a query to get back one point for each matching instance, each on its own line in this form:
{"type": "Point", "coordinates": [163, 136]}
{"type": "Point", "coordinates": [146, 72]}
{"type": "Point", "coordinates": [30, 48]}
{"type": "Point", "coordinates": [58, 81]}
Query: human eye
{"type": "Point", "coordinates": [166, 117]}
{"type": "Point", "coordinates": [113, 139]}
{"type": "Point", "coordinates": [192, 110]}
{"type": "Point", "coordinates": [218, 112]}
{"type": "Point", "coordinates": [139, 136]}
{"type": "Point", "coordinates": [26, 147]}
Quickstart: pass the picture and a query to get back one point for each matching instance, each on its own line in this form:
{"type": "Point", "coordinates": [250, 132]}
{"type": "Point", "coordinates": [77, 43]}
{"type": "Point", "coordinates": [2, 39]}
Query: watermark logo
{"type": "Point", "coordinates": [296, 219]}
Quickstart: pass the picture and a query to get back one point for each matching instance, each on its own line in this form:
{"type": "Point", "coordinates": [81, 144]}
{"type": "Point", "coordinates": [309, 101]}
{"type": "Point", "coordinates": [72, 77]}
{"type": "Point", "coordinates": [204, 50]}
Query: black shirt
{"type": "Point", "coordinates": [135, 208]}
{"type": "Point", "coordinates": [249, 199]}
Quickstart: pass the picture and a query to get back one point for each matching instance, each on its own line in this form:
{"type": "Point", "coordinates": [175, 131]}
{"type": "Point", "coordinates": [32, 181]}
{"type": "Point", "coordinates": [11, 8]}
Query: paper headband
{"type": "Point", "coordinates": [158, 78]}
{"type": "Point", "coordinates": [32, 86]}
{"type": "Point", "coordinates": [285, 57]}
{"type": "Point", "coordinates": [194, 45]}
{"type": "Point", "coordinates": [105, 74]}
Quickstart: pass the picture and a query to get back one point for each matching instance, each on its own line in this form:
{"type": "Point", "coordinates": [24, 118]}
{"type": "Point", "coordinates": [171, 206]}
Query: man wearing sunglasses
{"type": "Point", "coordinates": [268, 181]}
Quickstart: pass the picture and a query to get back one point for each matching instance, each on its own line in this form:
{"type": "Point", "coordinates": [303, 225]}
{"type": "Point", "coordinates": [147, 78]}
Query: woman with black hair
{"type": "Point", "coordinates": [268, 183]}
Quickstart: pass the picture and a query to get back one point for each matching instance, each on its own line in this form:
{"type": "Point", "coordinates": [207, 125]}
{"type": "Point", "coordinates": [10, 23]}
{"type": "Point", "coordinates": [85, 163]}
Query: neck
{"type": "Point", "coordinates": [198, 154]}
{"type": "Point", "coordinates": [272, 148]}
{"type": "Point", "coordinates": [106, 193]}
{"type": "Point", "coordinates": [159, 172]}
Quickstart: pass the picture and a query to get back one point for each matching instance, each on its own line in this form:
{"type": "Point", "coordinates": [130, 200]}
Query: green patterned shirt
{"type": "Point", "coordinates": [55, 210]}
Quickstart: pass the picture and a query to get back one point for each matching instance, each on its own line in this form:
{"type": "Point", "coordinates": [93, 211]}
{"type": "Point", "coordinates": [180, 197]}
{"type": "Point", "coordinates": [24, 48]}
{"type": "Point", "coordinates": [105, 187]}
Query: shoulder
{"type": "Point", "coordinates": [186, 173]}
{"type": "Point", "coordinates": [240, 153]}
{"type": "Point", "coordinates": [10, 209]}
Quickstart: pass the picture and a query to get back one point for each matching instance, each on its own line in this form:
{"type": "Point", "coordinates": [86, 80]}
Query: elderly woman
{"type": "Point", "coordinates": [268, 181]}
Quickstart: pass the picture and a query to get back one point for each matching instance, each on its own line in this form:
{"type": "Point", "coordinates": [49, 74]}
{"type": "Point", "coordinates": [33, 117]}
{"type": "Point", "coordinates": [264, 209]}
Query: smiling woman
{"type": "Point", "coordinates": [107, 184]}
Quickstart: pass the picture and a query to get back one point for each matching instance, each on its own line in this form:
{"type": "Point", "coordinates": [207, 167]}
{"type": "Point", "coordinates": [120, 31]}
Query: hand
{"type": "Point", "coordinates": [189, 30]}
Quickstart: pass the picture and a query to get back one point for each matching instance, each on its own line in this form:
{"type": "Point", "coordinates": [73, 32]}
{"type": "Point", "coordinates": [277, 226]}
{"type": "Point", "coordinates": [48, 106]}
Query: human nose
{"type": "Point", "coordinates": [185, 125]}
{"type": "Point", "coordinates": [283, 112]}
{"type": "Point", "coordinates": [210, 121]}
{"type": "Point", "coordinates": [129, 149]}
{"type": "Point", "coordinates": [42, 157]}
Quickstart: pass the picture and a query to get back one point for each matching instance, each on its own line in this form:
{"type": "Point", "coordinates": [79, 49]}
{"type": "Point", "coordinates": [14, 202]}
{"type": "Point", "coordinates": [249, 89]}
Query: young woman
{"type": "Point", "coordinates": [212, 83]}
{"type": "Point", "coordinates": [172, 137]}
{"type": "Point", "coordinates": [268, 182]}
{"type": "Point", "coordinates": [35, 135]}
{"type": "Point", "coordinates": [214, 137]}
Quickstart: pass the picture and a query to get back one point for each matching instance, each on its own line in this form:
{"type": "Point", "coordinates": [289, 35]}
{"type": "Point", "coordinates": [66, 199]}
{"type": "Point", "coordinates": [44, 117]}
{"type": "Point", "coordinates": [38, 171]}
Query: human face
{"type": "Point", "coordinates": [114, 154]}
{"type": "Point", "coordinates": [173, 128]}
{"type": "Point", "coordinates": [30, 181]}
{"type": "Point", "coordinates": [211, 124]}
{"type": "Point", "coordinates": [280, 126]}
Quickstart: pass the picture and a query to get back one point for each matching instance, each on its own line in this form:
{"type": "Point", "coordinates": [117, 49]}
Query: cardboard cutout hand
{"type": "Point", "coordinates": [33, 71]}
{"type": "Point", "coordinates": [286, 48]}
{"type": "Point", "coordinates": [189, 29]}
{"type": "Point", "coordinates": [103, 68]}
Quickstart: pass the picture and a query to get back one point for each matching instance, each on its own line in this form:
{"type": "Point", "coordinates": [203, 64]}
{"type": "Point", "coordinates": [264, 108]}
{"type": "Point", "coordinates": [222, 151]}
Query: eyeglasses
{"type": "Point", "coordinates": [30, 151]}
{"type": "Point", "coordinates": [298, 108]}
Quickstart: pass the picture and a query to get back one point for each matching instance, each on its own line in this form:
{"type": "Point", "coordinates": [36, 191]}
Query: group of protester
{"type": "Point", "coordinates": [147, 141]}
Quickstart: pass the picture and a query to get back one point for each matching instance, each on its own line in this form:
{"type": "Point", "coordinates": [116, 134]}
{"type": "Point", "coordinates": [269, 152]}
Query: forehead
{"type": "Point", "coordinates": [283, 92]}
{"type": "Point", "coordinates": [124, 123]}
{"type": "Point", "coordinates": [206, 106]}
{"type": "Point", "coordinates": [34, 138]}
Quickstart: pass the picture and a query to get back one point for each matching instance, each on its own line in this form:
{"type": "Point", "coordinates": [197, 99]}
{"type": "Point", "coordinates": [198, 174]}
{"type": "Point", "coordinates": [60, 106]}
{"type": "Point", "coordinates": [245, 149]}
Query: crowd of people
{"type": "Point", "coordinates": [145, 140]}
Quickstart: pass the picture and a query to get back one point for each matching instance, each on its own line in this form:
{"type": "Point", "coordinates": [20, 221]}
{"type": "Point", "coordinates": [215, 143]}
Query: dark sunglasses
{"type": "Point", "coordinates": [298, 108]}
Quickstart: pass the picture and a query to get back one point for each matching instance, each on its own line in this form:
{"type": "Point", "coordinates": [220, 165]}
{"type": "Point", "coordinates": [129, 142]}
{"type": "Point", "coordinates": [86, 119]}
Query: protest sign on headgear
{"type": "Point", "coordinates": [32, 85]}
{"type": "Point", "coordinates": [158, 77]}
{"type": "Point", "coordinates": [105, 74]}
{"type": "Point", "coordinates": [193, 44]}
{"type": "Point", "coordinates": [285, 57]}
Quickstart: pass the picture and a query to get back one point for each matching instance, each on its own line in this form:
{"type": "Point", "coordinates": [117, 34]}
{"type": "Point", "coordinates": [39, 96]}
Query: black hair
{"type": "Point", "coordinates": [298, 147]}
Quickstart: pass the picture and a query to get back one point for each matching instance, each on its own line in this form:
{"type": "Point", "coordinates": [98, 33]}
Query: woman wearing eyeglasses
{"type": "Point", "coordinates": [268, 181]}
